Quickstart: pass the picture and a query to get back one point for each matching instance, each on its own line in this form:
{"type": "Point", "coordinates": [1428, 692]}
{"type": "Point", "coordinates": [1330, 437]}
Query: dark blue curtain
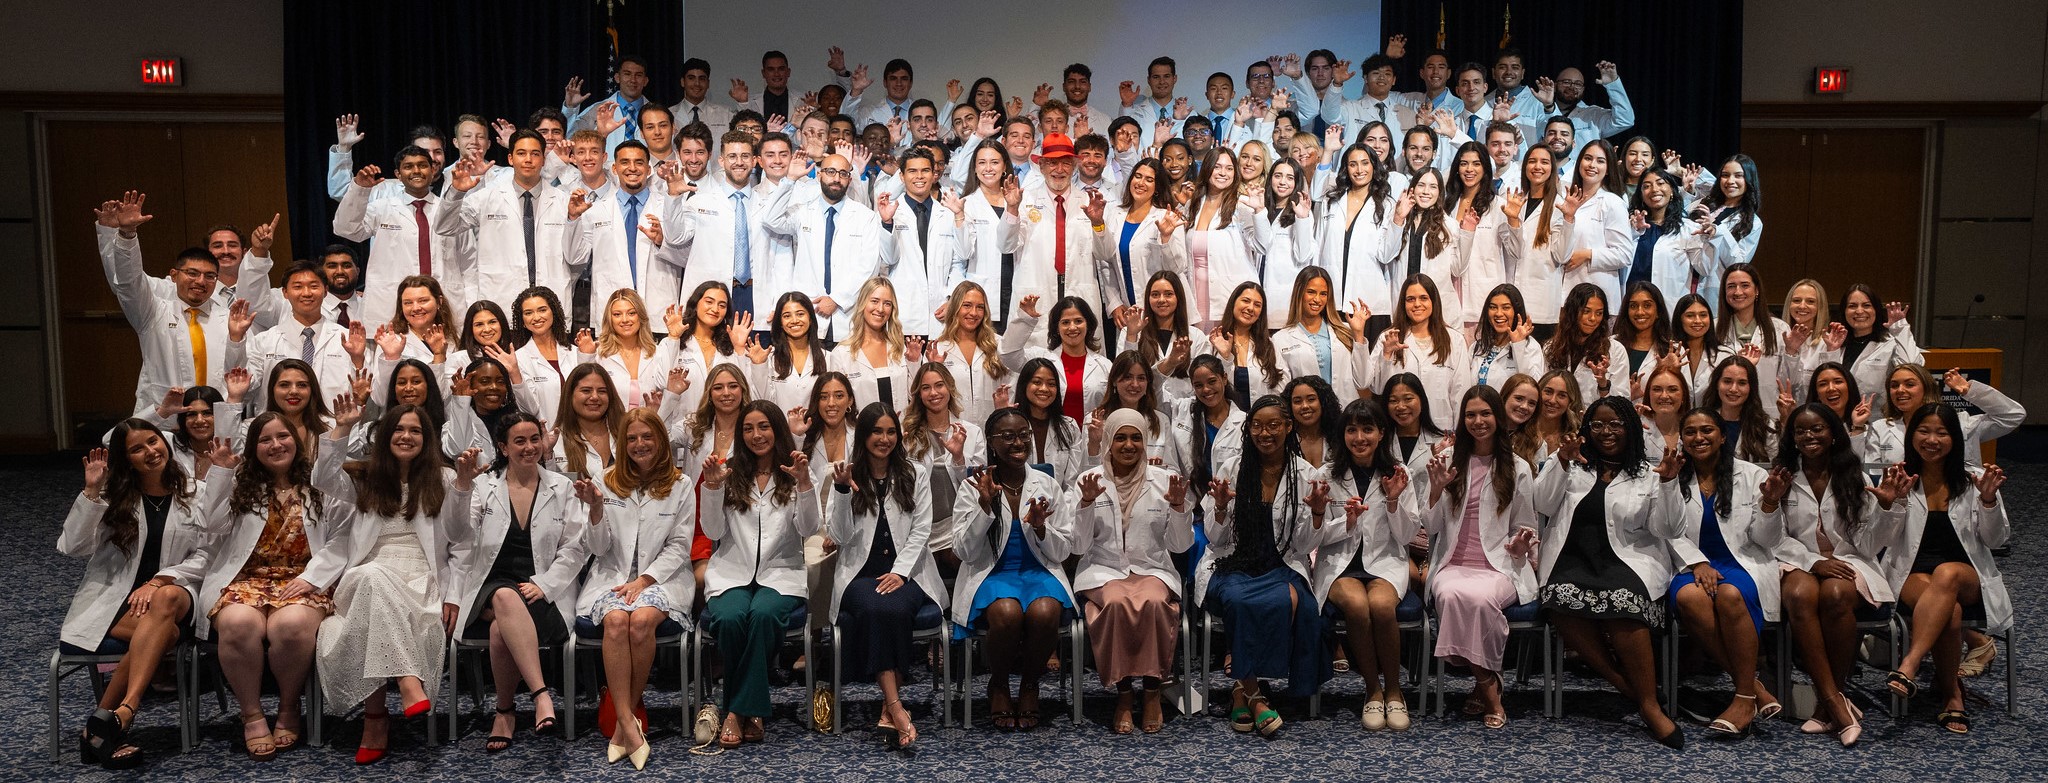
{"type": "Point", "coordinates": [1681, 62]}
{"type": "Point", "coordinates": [401, 63]}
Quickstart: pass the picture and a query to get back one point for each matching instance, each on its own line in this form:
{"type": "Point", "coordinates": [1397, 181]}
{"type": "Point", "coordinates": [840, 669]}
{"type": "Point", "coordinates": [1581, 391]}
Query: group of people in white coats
{"type": "Point", "coordinates": [1021, 371]}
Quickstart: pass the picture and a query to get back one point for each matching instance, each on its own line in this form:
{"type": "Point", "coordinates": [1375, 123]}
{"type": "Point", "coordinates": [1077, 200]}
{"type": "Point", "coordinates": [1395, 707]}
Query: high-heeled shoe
{"type": "Point", "coordinates": [1848, 735]}
{"type": "Point", "coordinates": [1817, 726]}
{"type": "Point", "coordinates": [419, 708]}
{"type": "Point", "coordinates": [640, 754]}
{"type": "Point", "coordinates": [368, 755]}
{"type": "Point", "coordinates": [1724, 729]}
{"type": "Point", "coordinates": [1674, 740]}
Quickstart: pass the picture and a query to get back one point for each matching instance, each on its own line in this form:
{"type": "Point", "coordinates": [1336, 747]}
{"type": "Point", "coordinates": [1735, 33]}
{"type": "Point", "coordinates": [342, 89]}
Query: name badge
{"type": "Point", "coordinates": [389, 227]}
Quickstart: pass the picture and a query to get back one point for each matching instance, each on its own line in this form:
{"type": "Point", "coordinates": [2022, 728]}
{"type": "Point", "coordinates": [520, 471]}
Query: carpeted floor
{"type": "Point", "coordinates": [1594, 742]}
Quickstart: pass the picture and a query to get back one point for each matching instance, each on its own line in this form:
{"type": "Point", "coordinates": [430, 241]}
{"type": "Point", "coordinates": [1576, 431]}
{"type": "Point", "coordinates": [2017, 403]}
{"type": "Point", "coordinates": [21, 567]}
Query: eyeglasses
{"type": "Point", "coordinates": [1604, 426]}
{"type": "Point", "coordinates": [1009, 435]}
{"type": "Point", "coordinates": [1259, 428]}
{"type": "Point", "coordinates": [206, 276]}
{"type": "Point", "coordinates": [835, 172]}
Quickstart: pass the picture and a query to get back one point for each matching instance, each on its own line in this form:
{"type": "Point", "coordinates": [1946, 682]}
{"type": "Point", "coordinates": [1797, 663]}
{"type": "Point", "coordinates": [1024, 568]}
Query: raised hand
{"type": "Point", "coordinates": [1599, 362]}
{"type": "Point", "coordinates": [1894, 312]}
{"type": "Point", "coordinates": [984, 481]}
{"type": "Point", "coordinates": [953, 90]}
{"type": "Point", "coordinates": [1013, 193]}
{"type": "Point", "coordinates": [1036, 512]}
{"type": "Point", "coordinates": [237, 380]}
{"type": "Point", "coordinates": [607, 119]}
{"type": "Point", "coordinates": [1042, 94]}
{"type": "Point", "coordinates": [799, 468]}
{"type": "Point", "coordinates": [739, 92]}
{"type": "Point", "coordinates": [1093, 209]}
{"type": "Point", "coordinates": [714, 472]}
{"type": "Point", "coordinates": [835, 59]}
{"type": "Point", "coordinates": [1354, 508]}
{"type": "Point", "coordinates": [572, 94]}
{"type": "Point", "coordinates": [346, 412]}
{"type": "Point", "coordinates": [885, 207]}
{"type": "Point", "coordinates": [504, 357]}
{"type": "Point", "coordinates": [1860, 416]}
{"type": "Point", "coordinates": [1836, 336]}
{"type": "Point", "coordinates": [124, 213]}
{"type": "Point", "coordinates": [913, 350]}
{"type": "Point", "coordinates": [359, 385]}
{"type": "Point", "coordinates": [678, 380]}
{"type": "Point", "coordinates": [1221, 493]}
{"type": "Point", "coordinates": [1394, 483]}
{"type": "Point", "coordinates": [503, 130]}
{"type": "Point", "coordinates": [1127, 92]}
{"type": "Point", "coordinates": [1607, 73]}
{"type": "Point", "coordinates": [1570, 448]}
{"type": "Point", "coordinates": [1522, 329]}
{"type": "Point", "coordinates": [1638, 220]}
{"type": "Point", "coordinates": [1511, 205]}
{"type": "Point", "coordinates": [652, 399]}
{"type": "Point", "coordinates": [1391, 346]}
{"type": "Point", "coordinates": [956, 440]}
{"type": "Point", "coordinates": [1029, 306]}
{"type": "Point", "coordinates": [1786, 402]}
{"type": "Point", "coordinates": [652, 228]}
{"type": "Point", "coordinates": [1523, 543]}
{"type": "Point", "coordinates": [468, 465]}
{"type": "Point", "coordinates": [1504, 109]}
{"type": "Point", "coordinates": [1341, 73]}
{"type": "Point", "coordinates": [861, 81]}
{"type": "Point", "coordinates": [1575, 196]}
{"type": "Point", "coordinates": [1318, 496]}
{"type": "Point", "coordinates": [1545, 91]}
{"type": "Point", "coordinates": [1955, 381]}
{"type": "Point", "coordinates": [579, 203]}
{"type": "Point", "coordinates": [1402, 206]}
{"type": "Point", "coordinates": [1168, 221]}
{"type": "Point", "coordinates": [240, 318]}
{"type": "Point", "coordinates": [1181, 109]}
{"type": "Point", "coordinates": [741, 330]}
{"type": "Point", "coordinates": [1441, 474]}
{"type": "Point", "coordinates": [586, 491]}
{"type": "Point", "coordinates": [985, 123]}
{"type": "Point", "coordinates": [1091, 487]}
{"type": "Point", "coordinates": [347, 131]}
{"type": "Point", "coordinates": [1468, 219]}
{"type": "Point", "coordinates": [1667, 468]}
{"type": "Point", "coordinates": [1397, 46]}
{"type": "Point", "coordinates": [586, 341]}
{"type": "Point", "coordinates": [464, 175]}
{"type": "Point", "coordinates": [436, 338]}
{"type": "Point", "coordinates": [458, 384]}
{"type": "Point", "coordinates": [261, 237]}
{"type": "Point", "coordinates": [1895, 485]}
{"type": "Point", "coordinates": [1776, 484]}
{"type": "Point", "coordinates": [367, 176]}
{"type": "Point", "coordinates": [95, 462]}
{"type": "Point", "coordinates": [1988, 483]}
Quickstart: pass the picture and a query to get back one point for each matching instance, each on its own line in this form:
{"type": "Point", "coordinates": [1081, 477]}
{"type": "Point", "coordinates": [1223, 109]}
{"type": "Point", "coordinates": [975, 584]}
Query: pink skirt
{"type": "Point", "coordinates": [1471, 624]}
{"type": "Point", "coordinates": [1133, 624]}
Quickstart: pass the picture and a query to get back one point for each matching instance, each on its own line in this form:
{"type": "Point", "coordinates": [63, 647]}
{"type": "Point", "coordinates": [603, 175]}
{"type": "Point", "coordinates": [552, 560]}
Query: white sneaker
{"type": "Point", "coordinates": [1373, 716]}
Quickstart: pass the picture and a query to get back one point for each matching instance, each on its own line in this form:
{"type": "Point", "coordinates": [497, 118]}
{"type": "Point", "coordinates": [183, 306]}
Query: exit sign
{"type": "Point", "coordinates": [163, 72]}
{"type": "Point", "coordinates": [1830, 81]}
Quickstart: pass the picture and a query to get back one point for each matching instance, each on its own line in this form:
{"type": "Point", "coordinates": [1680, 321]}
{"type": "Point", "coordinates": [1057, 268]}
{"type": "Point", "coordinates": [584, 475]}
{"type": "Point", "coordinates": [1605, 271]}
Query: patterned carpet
{"type": "Point", "coordinates": [1593, 742]}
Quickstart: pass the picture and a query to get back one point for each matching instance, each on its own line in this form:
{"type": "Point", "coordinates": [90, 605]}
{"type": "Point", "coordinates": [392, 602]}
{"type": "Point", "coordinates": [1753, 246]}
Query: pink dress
{"type": "Point", "coordinates": [1469, 593]}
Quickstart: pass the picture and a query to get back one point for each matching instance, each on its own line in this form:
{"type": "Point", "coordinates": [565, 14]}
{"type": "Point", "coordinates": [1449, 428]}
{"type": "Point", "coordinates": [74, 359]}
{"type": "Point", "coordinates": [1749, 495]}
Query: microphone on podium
{"type": "Point", "coordinates": [1964, 340]}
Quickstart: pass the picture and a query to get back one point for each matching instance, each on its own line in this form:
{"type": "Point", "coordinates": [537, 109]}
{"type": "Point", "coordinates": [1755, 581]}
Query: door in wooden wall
{"type": "Point", "coordinates": [1841, 206]}
{"type": "Point", "coordinates": [195, 175]}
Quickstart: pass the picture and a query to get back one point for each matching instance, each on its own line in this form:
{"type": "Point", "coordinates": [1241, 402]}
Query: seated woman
{"type": "Point", "coordinates": [1479, 565]}
{"type": "Point", "coordinates": [293, 392]}
{"type": "Point", "coordinates": [637, 588]}
{"type": "Point", "coordinates": [1264, 516]}
{"type": "Point", "coordinates": [587, 423]}
{"type": "Point", "coordinates": [516, 577]}
{"type": "Point", "coordinates": [138, 527]}
{"type": "Point", "coordinates": [1012, 582]}
{"type": "Point", "coordinates": [267, 520]}
{"type": "Point", "coordinates": [402, 381]}
{"type": "Point", "coordinates": [881, 513]}
{"type": "Point", "coordinates": [1830, 522]}
{"type": "Point", "coordinates": [192, 418]}
{"type": "Point", "coordinates": [387, 572]}
{"type": "Point", "coordinates": [1726, 563]}
{"type": "Point", "coordinates": [625, 347]}
{"type": "Point", "coordinates": [936, 432]}
{"type": "Point", "coordinates": [1056, 438]}
{"type": "Point", "coordinates": [1129, 589]}
{"type": "Point", "coordinates": [1954, 518]}
{"type": "Point", "coordinates": [1317, 419]}
{"type": "Point", "coordinates": [1072, 349]}
{"type": "Point", "coordinates": [1908, 386]}
{"type": "Point", "coordinates": [1610, 516]}
{"type": "Point", "coordinates": [758, 506]}
{"type": "Point", "coordinates": [1361, 569]}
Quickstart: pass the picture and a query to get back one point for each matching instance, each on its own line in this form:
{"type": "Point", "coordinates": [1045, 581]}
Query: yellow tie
{"type": "Point", "coordinates": [198, 346]}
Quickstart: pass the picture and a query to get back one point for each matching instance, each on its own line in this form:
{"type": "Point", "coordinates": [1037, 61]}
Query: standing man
{"type": "Point", "coordinates": [895, 103]}
{"type": "Point", "coordinates": [348, 133]}
{"type": "Point", "coordinates": [1322, 74]}
{"type": "Point", "coordinates": [716, 225]}
{"type": "Point", "coordinates": [620, 237]}
{"type": "Point", "coordinates": [342, 274]}
{"type": "Point", "coordinates": [1524, 109]}
{"type": "Point", "coordinates": [926, 235]}
{"type": "Point", "coordinates": [183, 330]}
{"type": "Point", "coordinates": [696, 107]}
{"type": "Point", "coordinates": [305, 334]}
{"type": "Point", "coordinates": [1591, 122]}
{"type": "Point", "coordinates": [838, 242]}
{"type": "Point", "coordinates": [1160, 106]}
{"type": "Point", "coordinates": [401, 233]}
{"type": "Point", "coordinates": [1056, 256]}
{"type": "Point", "coordinates": [1077, 83]}
{"type": "Point", "coordinates": [774, 98]}
{"type": "Point", "coordinates": [1377, 102]}
{"type": "Point", "coordinates": [515, 223]}
{"type": "Point", "coordinates": [625, 104]}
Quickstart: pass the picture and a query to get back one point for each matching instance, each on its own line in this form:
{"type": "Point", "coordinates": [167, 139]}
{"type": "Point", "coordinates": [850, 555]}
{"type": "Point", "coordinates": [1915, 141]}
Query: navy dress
{"type": "Point", "coordinates": [1723, 560]}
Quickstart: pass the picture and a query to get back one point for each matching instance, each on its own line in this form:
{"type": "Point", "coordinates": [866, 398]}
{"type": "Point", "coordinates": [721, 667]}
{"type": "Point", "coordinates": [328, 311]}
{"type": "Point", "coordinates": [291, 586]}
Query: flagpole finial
{"type": "Point", "coordinates": [1507, 14]}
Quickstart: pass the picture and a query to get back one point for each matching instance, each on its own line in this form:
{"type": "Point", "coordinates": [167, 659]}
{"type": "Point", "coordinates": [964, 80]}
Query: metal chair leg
{"type": "Point", "coordinates": [56, 678]}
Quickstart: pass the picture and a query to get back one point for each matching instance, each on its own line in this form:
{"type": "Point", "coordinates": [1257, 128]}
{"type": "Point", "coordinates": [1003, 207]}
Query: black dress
{"type": "Point", "coordinates": [1589, 580]}
{"type": "Point", "coordinates": [1938, 544]}
{"type": "Point", "coordinates": [877, 627]}
{"type": "Point", "coordinates": [513, 566]}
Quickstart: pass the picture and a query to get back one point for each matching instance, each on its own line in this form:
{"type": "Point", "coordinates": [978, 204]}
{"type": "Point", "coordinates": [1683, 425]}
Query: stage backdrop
{"type": "Point", "coordinates": [1681, 62]}
{"type": "Point", "coordinates": [401, 63]}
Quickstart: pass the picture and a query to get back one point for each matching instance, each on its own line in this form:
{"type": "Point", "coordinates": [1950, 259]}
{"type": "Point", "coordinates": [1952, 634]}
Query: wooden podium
{"type": "Point", "coordinates": [1983, 365]}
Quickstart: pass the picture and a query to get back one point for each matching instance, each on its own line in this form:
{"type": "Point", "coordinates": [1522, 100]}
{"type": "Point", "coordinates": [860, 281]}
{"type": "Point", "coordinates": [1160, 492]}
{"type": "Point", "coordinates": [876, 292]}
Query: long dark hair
{"type": "Point", "coordinates": [1364, 412]}
{"type": "Point", "coordinates": [1054, 413]}
{"type": "Point", "coordinates": [1092, 341]}
{"type": "Point", "coordinates": [1227, 201]}
{"type": "Point", "coordinates": [558, 320]}
{"type": "Point", "coordinates": [1482, 191]}
{"type": "Point", "coordinates": [1724, 464]}
{"type": "Point", "coordinates": [493, 419]}
{"type": "Point", "coordinates": [1247, 521]}
{"type": "Point", "coordinates": [1746, 206]}
{"type": "Point", "coordinates": [383, 490]}
{"type": "Point", "coordinates": [1429, 221]}
{"type": "Point", "coordinates": [1568, 346]}
{"type": "Point", "coordinates": [1853, 395]}
{"type": "Point", "coordinates": [746, 466]}
{"type": "Point", "coordinates": [1160, 198]}
{"type": "Point", "coordinates": [1759, 313]}
{"type": "Point", "coordinates": [1615, 182]}
{"type": "Point", "coordinates": [1550, 188]}
{"type": "Point", "coordinates": [720, 338]}
{"type": "Point", "coordinates": [316, 414]}
{"type": "Point", "coordinates": [867, 494]}
{"type": "Point", "coordinates": [1377, 190]}
{"type": "Point", "coordinates": [1439, 334]}
{"type": "Point", "coordinates": [1674, 213]}
{"type": "Point", "coordinates": [1488, 337]}
{"type": "Point", "coordinates": [253, 481]}
{"type": "Point", "coordinates": [778, 340]}
{"type": "Point", "coordinates": [1630, 460]}
{"type": "Point", "coordinates": [1261, 339]}
{"type": "Point", "coordinates": [1954, 472]}
{"type": "Point", "coordinates": [973, 182]}
{"type": "Point", "coordinates": [502, 432]}
{"type": "Point", "coordinates": [1660, 324]}
{"type": "Point", "coordinates": [1413, 383]}
{"type": "Point", "coordinates": [123, 492]}
{"type": "Point", "coordinates": [1710, 341]}
{"type": "Point", "coordinates": [182, 437]}
{"type": "Point", "coordinates": [1878, 332]}
{"type": "Point", "coordinates": [1845, 468]}
{"type": "Point", "coordinates": [568, 425]}
{"type": "Point", "coordinates": [1148, 336]}
{"type": "Point", "coordinates": [1126, 363]}
{"type": "Point", "coordinates": [1756, 425]}
{"type": "Point", "coordinates": [469, 339]}
{"type": "Point", "coordinates": [1282, 212]}
{"type": "Point", "coordinates": [1464, 446]}
{"type": "Point", "coordinates": [814, 422]}
{"type": "Point", "coordinates": [1329, 423]}
{"type": "Point", "coordinates": [433, 404]}
{"type": "Point", "coordinates": [1199, 469]}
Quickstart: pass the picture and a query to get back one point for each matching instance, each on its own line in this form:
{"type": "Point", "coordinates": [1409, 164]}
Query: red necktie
{"type": "Point", "coordinates": [419, 215]}
{"type": "Point", "coordinates": [1059, 234]}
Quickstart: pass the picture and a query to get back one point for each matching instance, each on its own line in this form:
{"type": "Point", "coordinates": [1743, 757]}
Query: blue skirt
{"type": "Point", "coordinates": [1019, 576]}
{"type": "Point", "coordinates": [1732, 575]}
{"type": "Point", "coordinates": [1266, 640]}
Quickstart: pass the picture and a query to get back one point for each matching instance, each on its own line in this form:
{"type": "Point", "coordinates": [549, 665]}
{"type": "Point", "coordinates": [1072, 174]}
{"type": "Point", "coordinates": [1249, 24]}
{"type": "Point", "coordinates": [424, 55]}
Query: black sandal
{"type": "Point", "coordinates": [1902, 685]}
{"type": "Point", "coordinates": [497, 743]}
{"type": "Point", "coordinates": [1952, 720]}
{"type": "Point", "coordinates": [541, 725]}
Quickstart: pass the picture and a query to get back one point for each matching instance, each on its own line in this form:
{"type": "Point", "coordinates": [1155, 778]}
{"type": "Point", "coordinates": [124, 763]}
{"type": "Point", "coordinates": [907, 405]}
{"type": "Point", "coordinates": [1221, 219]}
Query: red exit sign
{"type": "Point", "coordinates": [163, 72]}
{"type": "Point", "coordinates": [1830, 81]}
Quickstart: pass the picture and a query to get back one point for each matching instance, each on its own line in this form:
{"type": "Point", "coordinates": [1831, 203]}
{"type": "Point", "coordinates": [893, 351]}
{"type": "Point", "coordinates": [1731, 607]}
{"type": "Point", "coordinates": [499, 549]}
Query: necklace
{"type": "Point", "coordinates": [153, 505]}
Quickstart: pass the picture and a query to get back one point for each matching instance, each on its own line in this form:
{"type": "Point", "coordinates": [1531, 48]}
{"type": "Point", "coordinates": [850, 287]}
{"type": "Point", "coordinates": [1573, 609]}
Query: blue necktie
{"type": "Point", "coordinates": [631, 114]}
{"type": "Point", "coordinates": [831, 214]}
{"type": "Point", "coordinates": [1646, 249]}
{"type": "Point", "coordinates": [1473, 125]}
{"type": "Point", "coordinates": [742, 249]}
{"type": "Point", "coordinates": [633, 238]}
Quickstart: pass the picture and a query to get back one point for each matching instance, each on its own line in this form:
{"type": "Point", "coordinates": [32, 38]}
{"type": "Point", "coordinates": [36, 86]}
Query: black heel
{"type": "Point", "coordinates": [542, 725]}
{"type": "Point", "coordinates": [498, 743]}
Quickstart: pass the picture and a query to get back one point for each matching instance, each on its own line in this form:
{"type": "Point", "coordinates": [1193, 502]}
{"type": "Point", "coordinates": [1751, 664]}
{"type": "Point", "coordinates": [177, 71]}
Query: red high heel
{"type": "Point", "coordinates": [368, 755]}
{"type": "Point", "coordinates": [419, 708]}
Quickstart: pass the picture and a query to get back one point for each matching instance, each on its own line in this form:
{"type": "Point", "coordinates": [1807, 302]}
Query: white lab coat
{"type": "Point", "coordinates": [1445, 522]}
{"type": "Point", "coordinates": [925, 273]}
{"type": "Point", "coordinates": [1446, 268]}
{"type": "Point", "coordinates": [1443, 383]}
{"type": "Point", "coordinates": [1802, 514]}
{"type": "Point", "coordinates": [702, 235]}
{"type": "Point", "coordinates": [1227, 253]}
{"type": "Point", "coordinates": [1296, 350]}
{"type": "Point", "coordinates": [642, 535]}
{"type": "Point", "coordinates": [1283, 251]}
{"type": "Point", "coordinates": [540, 389]}
{"type": "Point", "coordinates": [1149, 255]}
{"type": "Point", "coordinates": [1642, 517]}
{"type": "Point", "coordinates": [1486, 265]}
{"type": "Point", "coordinates": [763, 545]}
{"type": "Point", "coordinates": [1378, 543]}
{"type": "Point", "coordinates": [598, 239]}
{"type": "Point", "coordinates": [232, 538]}
{"type": "Point", "coordinates": [1227, 445]}
{"type": "Point", "coordinates": [1296, 518]}
{"type": "Point", "coordinates": [859, 251]}
{"type": "Point", "coordinates": [391, 226]}
{"type": "Point", "coordinates": [1773, 366]}
{"type": "Point", "coordinates": [332, 365]}
{"type": "Point", "coordinates": [493, 216]}
{"type": "Point", "coordinates": [556, 524]}
{"type": "Point", "coordinates": [1873, 365]}
{"type": "Point", "coordinates": [158, 316]}
{"type": "Point", "coordinates": [1498, 363]}
{"type": "Point", "coordinates": [867, 378]}
{"type": "Point", "coordinates": [973, 384]}
{"type": "Point", "coordinates": [790, 392]}
{"type": "Point", "coordinates": [1674, 260]}
{"type": "Point", "coordinates": [1753, 536]}
{"type": "Point", "coordinates": [1886, 440]}
{"type": "Point", "coordinates": [1036, 223]}
{"type": "Point", "coordinates": [1981, 530]}
{"type": "Point", "coordinates": [654, 367]}
{"type": "Point", "coordinates": [110, 572]}
{"type": "Point", "coordinates": [1021, 343]}
{"type": "Point", "coordinates": [350, 546]}
{"type": "Point", "coordinates": [1359, 269]}
{"type": "Point", "coordinates": [1111, 550]}
{"type": "Point", "coordinates": [910, 528]}
{"type": "Point", "coordinates": [1602, 227]}
{"type": "Point", "coordinates": [979, 537]}
{"type": "Point", "coordinates": [687, 352]}
{"type": "Point", "coordinates": [1538, 270]}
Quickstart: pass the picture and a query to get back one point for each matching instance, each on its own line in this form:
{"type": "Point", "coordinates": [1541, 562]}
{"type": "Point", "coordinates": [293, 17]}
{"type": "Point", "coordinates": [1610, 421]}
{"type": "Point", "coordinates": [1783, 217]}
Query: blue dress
{"type": "Point", "coordinates": [1723, 560]}
{"type": "Point", "coordinates": [1018, 575]}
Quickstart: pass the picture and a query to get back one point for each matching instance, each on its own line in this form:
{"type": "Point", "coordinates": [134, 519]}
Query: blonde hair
{"type": "Point", "coordinates": [984, 335]}
{"type": "Point", "coordinates": [1265, 160]}
{"type": "Point", "coordinates": [701, 421]}
{"type": "Point", "coordinates": [608, 342]}
{"type": "Point", "coordinates": [1820, 311]}
{"type": "Point", "coordinates": [624, 478]}
{"type": "Point", "coordinates": [916, 441]}
{"type": "Point", "coordinates": [1307, 139]}
{"type": "Point", "coordinates": [891, 331]}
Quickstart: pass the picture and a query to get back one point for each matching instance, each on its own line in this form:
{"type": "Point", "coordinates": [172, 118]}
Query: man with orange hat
{"type": "Point", "coordinates": [1057, 258]}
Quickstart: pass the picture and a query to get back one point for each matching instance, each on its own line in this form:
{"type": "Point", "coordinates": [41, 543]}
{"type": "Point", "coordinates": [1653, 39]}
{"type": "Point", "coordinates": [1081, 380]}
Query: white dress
{"type": "Point", "coordinates": [386, 621]}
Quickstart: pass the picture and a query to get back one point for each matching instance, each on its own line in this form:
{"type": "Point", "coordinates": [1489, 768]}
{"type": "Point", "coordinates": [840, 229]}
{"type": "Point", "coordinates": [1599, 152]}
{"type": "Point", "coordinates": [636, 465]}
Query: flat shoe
{"type": "Point", "coordinates": [1397, 715]}
{"type": "Point", "coordinates": [1373, 716]}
